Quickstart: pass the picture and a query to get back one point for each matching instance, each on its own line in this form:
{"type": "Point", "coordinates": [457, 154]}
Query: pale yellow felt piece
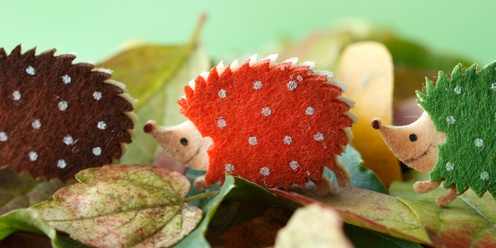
{"type": "Point", "coordinates": [367, 69]}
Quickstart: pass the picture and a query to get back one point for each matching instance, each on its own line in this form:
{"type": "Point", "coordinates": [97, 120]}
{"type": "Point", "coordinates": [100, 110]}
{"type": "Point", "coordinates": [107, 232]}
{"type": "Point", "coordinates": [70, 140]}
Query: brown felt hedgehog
{"type": "Point", "coordinates": [56, 117]}
{"type": "Point", "coordinates": [275, 124]}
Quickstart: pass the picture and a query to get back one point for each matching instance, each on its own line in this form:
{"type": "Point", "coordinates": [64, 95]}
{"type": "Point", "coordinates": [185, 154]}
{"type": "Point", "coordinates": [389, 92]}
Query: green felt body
{"type": "Point", "coordinates": [464, 108]}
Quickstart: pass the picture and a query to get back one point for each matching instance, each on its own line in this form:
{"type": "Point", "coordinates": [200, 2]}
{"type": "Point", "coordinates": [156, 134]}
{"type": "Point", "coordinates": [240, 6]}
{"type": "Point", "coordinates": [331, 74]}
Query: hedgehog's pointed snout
{"type": "Point", "coordinates": [376, 123]}
{"type": "Point", "coordinates": [150, 126]}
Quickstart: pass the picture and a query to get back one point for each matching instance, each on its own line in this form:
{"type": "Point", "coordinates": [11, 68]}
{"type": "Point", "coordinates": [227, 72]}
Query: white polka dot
{"type": "Point", "coordinates": [97, 95]}
{"type": "Point", "coordinates": [450, 166]}
{"type": "Point", "coordinates": [458, 90]}
{"type": "Point", "coordinates": [101, 125]}
{"type": "Point", "coordinates": [221, 123]}
{"type": "Point", "coordinates": [493, 86]}
{"type": "Point", "coordinates": [484, 176]}
{"type": "Point", "coordinates": [319, 136]}
{"type": "Point", "coordinates": [252, 140]}
{"type": "Point", "coordinates": [257, 85]}
{"type": "Point", "coordinates": [281, 68]}
{"type": "Point", "coordinates": [287, 140]}
{"type": "Point", "coordinates": [66, 79]}
{"type": "Point", "coordinates": [68, 140]}
{"type": "Point", "coordinates": [63, 105]}
{"type": "Point", "coordinates": [229, 168]}
{"type": "Point", "coordinates": [30, 70]}
{"type": "Point", "coordinates": [97, 151]}
{"type": "Point", "coordinates": [450, 120]}
{"type": "Point", "coordinates": [292, 85]}
{"type": "Point", "coordinates": [61, 164]}
{"type": "Point", "coordinates": [265, 171]}
{"type": "Point", "coordinates": [33, 156]}
{"type": "Point", "coordinates": [299, 77]}
{"type": "Point", "coordinates": [222, 93]}
{"type": "Point", "coordinates": [308, 173]}
{"type": "Point", "coordinates": [479, 143]}
{"type": "Point", "coordinates": [310, 111]}
{"type": "Point", "coordinates": [294, 165]}
{"type": "Point", "coordinates": [16, 95]}
{"type": "Point", "coordinates": [3, 137]}
{"type": "Point", "coordinates": [36, 124]}
{"type": "Point", "coordinates": [266, 111]}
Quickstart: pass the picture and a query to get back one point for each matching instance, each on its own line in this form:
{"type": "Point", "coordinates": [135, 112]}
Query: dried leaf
{"type": "Point", "coordinates": [118, 205]}
{"type": "Point", "coordinates": [314, 225]}
{"type": "Point", "coordinates": [156, 75]}
{"type": "Point", "coordinates": [22, 191]}
{"type": "Point", "coordinates": [469, 221]}
{"type": "Point", "coordinates": [367, 70]}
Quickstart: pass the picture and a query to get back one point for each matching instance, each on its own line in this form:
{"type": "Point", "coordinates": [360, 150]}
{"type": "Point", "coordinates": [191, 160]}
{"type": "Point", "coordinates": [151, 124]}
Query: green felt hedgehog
{"type": "Point", "coordinates": [454, 140]}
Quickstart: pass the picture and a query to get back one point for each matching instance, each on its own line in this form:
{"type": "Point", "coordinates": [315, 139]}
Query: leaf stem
{"type": "Point", "coordinates": [202, 195]}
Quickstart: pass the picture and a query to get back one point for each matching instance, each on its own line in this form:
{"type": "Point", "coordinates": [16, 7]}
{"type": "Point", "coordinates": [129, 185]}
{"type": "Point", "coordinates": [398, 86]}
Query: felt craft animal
{"type": "Point", "coordinates": [275, 124]}
{"type": "Point", "coordinates": [454, 139]}
{"type": "Point", "coordinates": [56, 117]}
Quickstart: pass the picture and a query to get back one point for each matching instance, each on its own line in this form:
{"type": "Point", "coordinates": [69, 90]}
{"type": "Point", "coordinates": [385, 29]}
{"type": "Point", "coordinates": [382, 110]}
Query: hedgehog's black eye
{"type": "Point", "coordinates": [184, 141]}
{"type": "Point", "coordinates": [413, 137]}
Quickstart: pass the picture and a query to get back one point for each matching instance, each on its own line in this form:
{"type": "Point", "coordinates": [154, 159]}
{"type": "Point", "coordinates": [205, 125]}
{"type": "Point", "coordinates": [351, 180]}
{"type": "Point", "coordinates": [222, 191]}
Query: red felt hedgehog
{"type": "Point", "coordinates": [57, 118]}
{"type": "Point", "coordinates": [272, 124]}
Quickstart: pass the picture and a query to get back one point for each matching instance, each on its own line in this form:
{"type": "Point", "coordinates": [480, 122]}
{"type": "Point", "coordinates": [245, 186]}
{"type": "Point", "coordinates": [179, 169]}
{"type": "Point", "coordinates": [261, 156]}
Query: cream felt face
{"type": "Point", "coordinates": [416, 144]}
{"type": "Point", "coordinates": [182, 142]}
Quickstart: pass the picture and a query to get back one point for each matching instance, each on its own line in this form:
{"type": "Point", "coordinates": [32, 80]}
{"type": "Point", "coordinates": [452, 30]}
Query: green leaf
{"type": "Point", "coordinates": [22, 191]}
{"type": "Point", "coordinates": [119, 205]}
{"type": "Point", "coordinates": [469, 221]}
{"type": "Point", "coordinates": [26, 220]}
{"type": "Point", "coordinates": [155, 75]}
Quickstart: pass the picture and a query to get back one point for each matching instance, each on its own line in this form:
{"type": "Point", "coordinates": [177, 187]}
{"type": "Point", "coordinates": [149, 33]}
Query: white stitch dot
{"type": "Point", "coordinates": [458, 90]}
{"type": "Point", "coordinates": [450, 120]}
{"type": "Point", "coordinates": [16, 95]}
{"type": "Point", "coordinates": [308, 173]}
{"type": "Point", "coordinates": [292, 85]}
{"type": "Point", "coordinates": [450, 166]}
{"type": "Point", "coordinates": [97, 95]}
{"type": "Point", "coordinates": [299, 77]}
{"type": "Point", "coordinates": [479, 143]}
{"type": "Point", "coordinates": [287, 140]}
{"type": "Point", "coordinates": [257, 85]}
{"type": "Point", "coordinates": [63, 105]}
{"type": "Point", "coordinates": [319, 136]}
{"type": "Point", "coordinates": [221, 123]}
{"type": "Point", "coordinates": [265, 171]}
{"type": "Point", "coordinates": [33, 156]}
{"type": "Point", "coordinates": [281, 68]}
{"type": "Point", "coordinates": [3, 137]}
{"type": "Point", "coordinates": [222, 93]}
{"type": "Point", "coordinates": [229, 168]}
{"type": "Point", "coordinates": [68, 140]}
{"type": "Point", "coordinates": [97, 151]}
{"type": "Point", "coordinates": [484, 176]}
{"type": "Point", "coordinates": [30, 70]}
{"type": "Point", "coordinates": [266, 111]}
{"type": "Point", "coordinates": [36, 124]}
{"type": "Point", "coordinates": [294, 165]}
{"type": "Point", "coordinates": [66, 79]}
{"type": "Point", "coordinates": [252, 140]}
{"type": "Point", "coordinates": [61, 164]}
{"type": "Point", "coordinates": [493, 86]}
{"type": "Point", "coordinates": [101, 125]}
{"type": "Point", "coordinates": [310, 110]}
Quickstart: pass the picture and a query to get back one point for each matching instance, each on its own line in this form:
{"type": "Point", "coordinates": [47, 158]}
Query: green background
{"type": "Point", "coordinates": [97, 29]}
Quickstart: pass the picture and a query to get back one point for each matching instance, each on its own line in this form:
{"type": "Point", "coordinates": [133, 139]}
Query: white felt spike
{"type": "Point", "coordinates": [220, 67]}
{"type": "Point", "coordinates": [341, 85]}
{"type": "Point", "coordinates": [293, 61]}
{"type": "Point", "coordinates": [346, 100]}
{"type": "Point", "coordinates": [329, 74]}
{"type": "Point", "coordinates": [234, 65]}
{"type": "Point", "coordinates": [310, 64]}
{"type": "Point", "coordinates": [252, 60]}
{"type": "Point", "coordinates": [192, 84]}
{"type": "Point", "coordinates": [352, 116]}
{"type": "Point", "coordinates": [349, 134]}
{"type": "Point", "coordinates": [104, 70]}
{"type": "Point", "coordinates": [204, 75]}
{"type": "Point", "coordinates": [115, 83]}
{"type": "Point", "coordinates": [273, 59]}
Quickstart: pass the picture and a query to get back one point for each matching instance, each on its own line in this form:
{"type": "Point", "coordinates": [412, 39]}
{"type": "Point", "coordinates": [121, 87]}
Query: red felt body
{"type": "Point", "coordinates": [270, 161]}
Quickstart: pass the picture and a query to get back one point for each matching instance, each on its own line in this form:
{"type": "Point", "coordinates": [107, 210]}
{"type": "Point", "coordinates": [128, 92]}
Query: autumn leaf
{"type": "Point", "coordinates": [155, 75]}
{"type": "Point", "coordinates": [314, 225]}
{"type": "Point", "coordinates": [22, 191]}
{"type": "Point", "coordinates": [119, 205]}
{"type": "Point", "coordinates": [469, 221]}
